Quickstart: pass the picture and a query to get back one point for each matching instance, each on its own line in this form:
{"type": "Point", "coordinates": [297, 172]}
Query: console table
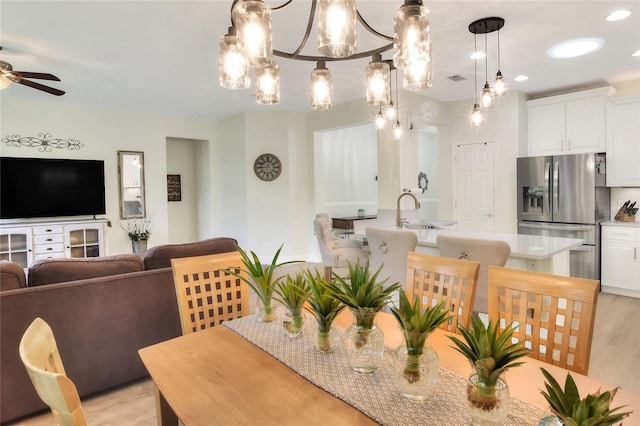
{"type": "Point", "coordinates": [346, 223]}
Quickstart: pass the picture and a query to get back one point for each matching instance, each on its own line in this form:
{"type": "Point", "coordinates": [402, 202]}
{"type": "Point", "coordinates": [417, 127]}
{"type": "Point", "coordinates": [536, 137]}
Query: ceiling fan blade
{"type": "Point", "coordinates": [42, 87]}
{"type": "Point", "coordinates": [38, 75]}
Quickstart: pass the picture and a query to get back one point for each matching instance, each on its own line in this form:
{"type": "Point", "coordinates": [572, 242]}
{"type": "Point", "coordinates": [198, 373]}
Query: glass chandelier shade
{"type": "Point", "coordinates": [390, 112]}
{"type": "Point", "coordinates": [252, 19]}
{"type": "Point", "coordinates": [418, 75]}
{"type": "Point", "coordinates": [499, 85]}
{"type": "Point", "coordinates": [476, 116]}
{"type": "Point", "coordinates": [411, 34]}
{"type": "Point", "coordinates": [486, 96]}
{"type": "Point", "coordinates": [380, 119]}
{"type": "Point", "coordinates": [337, 32]}
{"type": "Point", "coordinates": [4, 83]}
{"type": "Point", "coordinates": [268, 84]}
{"type": "Point", "coordinates": [377, 82]}
{"type": "Point", "coordinates": [233, 71]}
{"type": "Point", "coordinates": [397, 130]}
{"type": "Point", "coordinates": [321, 87]}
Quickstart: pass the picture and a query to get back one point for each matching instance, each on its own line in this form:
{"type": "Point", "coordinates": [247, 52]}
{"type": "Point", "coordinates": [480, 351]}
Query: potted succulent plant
{"type": "Point", "coordinates": [365, 296]}
{"type": "Point", "coordinates": [292, 293]}
{"type": "Point", "coordinates": [490, 353]}
{"type": "Point", "coordinates": [417, 365]}
{"type": "Point", "coordinates": [261, 280]}
{"type": "Point", "coordinates": [573, 411]}
{"type": "Point", "coordinates": [324, 308]}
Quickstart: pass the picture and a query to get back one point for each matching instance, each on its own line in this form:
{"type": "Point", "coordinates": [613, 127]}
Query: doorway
{"type": "Point", "coordinates": [474, 198]}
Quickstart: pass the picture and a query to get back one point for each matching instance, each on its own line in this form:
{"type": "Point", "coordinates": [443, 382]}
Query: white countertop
{"type": "Point", "coordinates": [635, 224]}
{"type": "Point", "coordinates": [524, 246]}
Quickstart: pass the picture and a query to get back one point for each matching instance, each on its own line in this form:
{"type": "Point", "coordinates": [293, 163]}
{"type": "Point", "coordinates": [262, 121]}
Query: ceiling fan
{"type": "Point", "coordinates": [8, 76]}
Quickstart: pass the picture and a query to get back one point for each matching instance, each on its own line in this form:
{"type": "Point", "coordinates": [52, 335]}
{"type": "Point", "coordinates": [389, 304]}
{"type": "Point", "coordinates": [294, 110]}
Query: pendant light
{"type": "Point", "coordinates": [233, 71]}
{"type": "Point", "coordinates": [377, 81]}
{"type": "Point", "coordinates": [486, 96]}
{"type": "Point", "coordinates": [397, 128]}
{"type": "Point", "coordinates": [380, 119]}
{"type": "Point", "coordinates": [418, 74]}
{"type": "Point", "coordinates": [500, 83]}
{"type": "Point", "coordinates": [411, 34]}
{"type": "Point", "coordinates": [268, 84]}
{"type": "Point", "coordinates": [252, 19]}
{"type": "Point", "coordinates": [321, 87]}
{"type": "Point", "coordinates": [476, 112]}
{"type": "Point", "coordinates": [337, 32]}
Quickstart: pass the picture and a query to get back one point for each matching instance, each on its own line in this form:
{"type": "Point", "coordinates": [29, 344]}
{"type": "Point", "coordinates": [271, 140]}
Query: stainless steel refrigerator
{"type": "Point", "coordinates": [565, 196]}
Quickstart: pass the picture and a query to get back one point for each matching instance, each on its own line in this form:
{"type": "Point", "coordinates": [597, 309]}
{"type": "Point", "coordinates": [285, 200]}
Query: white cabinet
{"type": "Point", "coordinates": [568, 124]}
{"type": "Point", "coordinates": [621, 259]}
{"type": "Point", "coordinates": [623, 141]}
{"type": "Point", "coordinates": [26, 242]}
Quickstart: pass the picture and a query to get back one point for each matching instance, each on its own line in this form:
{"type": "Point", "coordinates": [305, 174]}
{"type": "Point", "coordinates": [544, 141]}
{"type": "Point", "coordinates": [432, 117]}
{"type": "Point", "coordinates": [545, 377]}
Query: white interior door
{"type": "Point", "coordinates": [474, 196]}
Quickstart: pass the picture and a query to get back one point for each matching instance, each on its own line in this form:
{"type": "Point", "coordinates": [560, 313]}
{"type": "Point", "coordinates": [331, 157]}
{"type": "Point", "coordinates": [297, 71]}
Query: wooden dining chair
{"type": "Point", "coordinates": [39, 354]}
{"type": "Point", "coordinates": [207, 294]}
{"type": "Point", "coordinates": [434, 278]}
{"type": "Point", "coordinates": [554, 314]}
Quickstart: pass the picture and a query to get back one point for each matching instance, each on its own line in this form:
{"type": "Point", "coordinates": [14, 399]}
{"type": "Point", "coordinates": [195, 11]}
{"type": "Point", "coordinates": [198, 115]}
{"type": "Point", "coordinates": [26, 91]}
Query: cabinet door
{"type": "Point", "coordinates": [16, 246]}
{"type": "Point", "coordinates": [623, 144]}
{"type": "Point", "coordinates": [84, 241]}
{"type": "Point", "coordinates": [621, 264]}
{"type": "Point", "coordinates": [585, 125]}
{"type": "Point", "coordinates": [546, 129]}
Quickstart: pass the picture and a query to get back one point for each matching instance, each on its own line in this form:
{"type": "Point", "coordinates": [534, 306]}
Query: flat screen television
{"type": "Point", "coordinates": [50, 187]}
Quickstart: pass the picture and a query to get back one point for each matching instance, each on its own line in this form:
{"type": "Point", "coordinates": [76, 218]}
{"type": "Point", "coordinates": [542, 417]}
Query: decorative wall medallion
{"type": "Point", "coordinates": [43, 142]}
{"type": "Point", "coordinates": [267, 167]}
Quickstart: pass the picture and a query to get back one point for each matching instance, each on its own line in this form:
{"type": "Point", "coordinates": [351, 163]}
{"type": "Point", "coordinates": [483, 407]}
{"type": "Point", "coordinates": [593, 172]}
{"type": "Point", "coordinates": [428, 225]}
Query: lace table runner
{"type": "Point", "coordinates": [375, 395]}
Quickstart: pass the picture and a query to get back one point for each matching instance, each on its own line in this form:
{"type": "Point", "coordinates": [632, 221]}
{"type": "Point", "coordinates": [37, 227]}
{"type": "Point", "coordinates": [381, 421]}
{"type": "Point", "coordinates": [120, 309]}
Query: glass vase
{"type": "Point", "coordinates": [325, 338]}
{"type": "Point", "coordinates": [293, 324]}
{"type": "Point", "coordinates": [416, 372]}
{"type": "Point", "coordinates": [364, 343]}
{"type": "Point", "coordinates": [488, 403]}
{"type": "Point", "coordinates": [266, 312]}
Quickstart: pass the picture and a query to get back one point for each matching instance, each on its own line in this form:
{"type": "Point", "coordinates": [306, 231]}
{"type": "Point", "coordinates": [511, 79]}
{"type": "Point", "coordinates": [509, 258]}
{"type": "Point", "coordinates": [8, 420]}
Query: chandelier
{"type": "Point", "coordinates": [248, 44]}
{"type": "Point", "coordinates": [488, 94]}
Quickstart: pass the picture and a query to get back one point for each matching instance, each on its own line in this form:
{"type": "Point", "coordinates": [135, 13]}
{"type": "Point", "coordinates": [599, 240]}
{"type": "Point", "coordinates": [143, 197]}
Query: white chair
{"type": "Point", "coordinates": [331, 238]}
{"type": "Point", "coordinates": [389, 250]}
{"type": "Point", "coordinates": [487, 252]}
{"type": "Point", "coordinates": [336, 256]}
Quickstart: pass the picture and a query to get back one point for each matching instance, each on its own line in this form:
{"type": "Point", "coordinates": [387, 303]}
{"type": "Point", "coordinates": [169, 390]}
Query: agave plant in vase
{"type": "Point", "coordinates": [490, 353]}
{"type": "Point", "coordinates": [292, 293]}
{"type": "Point", "coordinates": [365, 296]}
{"type": "Point", "coordinates": [261, 280]}
{"type": "Point", "coordinates": [571, 410]}
{"type": "Point", "coordinates": [416, 363]}
{"type": "Point", "coordinates": [324, 308]}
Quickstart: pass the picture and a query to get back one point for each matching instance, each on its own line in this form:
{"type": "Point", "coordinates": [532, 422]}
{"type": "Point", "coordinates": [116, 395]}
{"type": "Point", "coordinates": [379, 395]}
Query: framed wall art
{"type": "Point", "coordinates": [174, 188]}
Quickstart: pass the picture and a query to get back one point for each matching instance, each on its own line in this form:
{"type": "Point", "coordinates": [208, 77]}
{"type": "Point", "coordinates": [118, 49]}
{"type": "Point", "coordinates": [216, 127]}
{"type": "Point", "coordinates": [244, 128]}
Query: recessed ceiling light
{"type": "Point", "coordinates": [521, 78]}
{"type": "Point", "coordinates": [618, 15]}
{"type": "Point", "coordinates": [573, 48]}
{"type": "Point", "coordinates": [636, 53]}
{"type": "Point", "coordinates": [477, 55]}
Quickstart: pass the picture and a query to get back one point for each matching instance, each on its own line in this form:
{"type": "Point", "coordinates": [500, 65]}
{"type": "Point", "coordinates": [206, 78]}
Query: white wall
{"type": "Point", "coordinates": [183, 215]}
{"type": "Point", "coordinates": [103, 133]}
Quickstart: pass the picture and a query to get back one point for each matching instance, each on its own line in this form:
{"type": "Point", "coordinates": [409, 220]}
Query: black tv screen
{"type": "Point", "coordinates": [47, 187]}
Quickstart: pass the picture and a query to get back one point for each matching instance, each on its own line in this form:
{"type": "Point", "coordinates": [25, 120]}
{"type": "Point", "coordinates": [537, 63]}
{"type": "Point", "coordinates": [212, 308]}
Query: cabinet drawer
{"type": "Point", "coordinates": [49, 248]}
{"type": "Point", "coordinates": [48, 239]}
{"type": "Point", "coordinates": [57, 255]}
{"type": "Point", "coordinates": [620, 233]}
{"type": "Point", "coordinates": [47, 230]}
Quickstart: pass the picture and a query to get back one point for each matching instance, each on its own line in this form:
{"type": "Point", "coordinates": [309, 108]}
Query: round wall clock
{"type": "Point", "coordinates": [267, 167]}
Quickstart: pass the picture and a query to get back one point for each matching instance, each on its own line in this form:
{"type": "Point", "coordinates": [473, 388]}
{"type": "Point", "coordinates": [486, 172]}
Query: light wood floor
{"type": "Point", "coordinates": [615, 356]}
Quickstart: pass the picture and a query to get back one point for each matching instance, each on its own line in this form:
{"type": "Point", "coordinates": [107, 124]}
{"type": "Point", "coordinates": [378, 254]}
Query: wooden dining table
{"type": "Point", "coordinates": [216, 376]}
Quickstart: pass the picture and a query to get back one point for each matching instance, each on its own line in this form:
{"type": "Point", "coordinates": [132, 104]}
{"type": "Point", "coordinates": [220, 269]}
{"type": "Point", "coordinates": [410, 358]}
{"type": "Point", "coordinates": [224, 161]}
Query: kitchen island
{"type": "Point", "coordinates": [530, 252]}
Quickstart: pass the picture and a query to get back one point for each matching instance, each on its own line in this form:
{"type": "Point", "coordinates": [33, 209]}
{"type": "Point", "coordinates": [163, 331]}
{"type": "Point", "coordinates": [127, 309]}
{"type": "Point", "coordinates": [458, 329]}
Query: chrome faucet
{"type": "Point", "coordinates": [400, 220]}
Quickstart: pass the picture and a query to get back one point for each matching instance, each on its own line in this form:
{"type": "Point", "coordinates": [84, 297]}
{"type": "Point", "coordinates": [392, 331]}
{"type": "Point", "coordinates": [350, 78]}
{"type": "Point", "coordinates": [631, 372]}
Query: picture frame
{"type": "Point", "coordinates": [174, 188]}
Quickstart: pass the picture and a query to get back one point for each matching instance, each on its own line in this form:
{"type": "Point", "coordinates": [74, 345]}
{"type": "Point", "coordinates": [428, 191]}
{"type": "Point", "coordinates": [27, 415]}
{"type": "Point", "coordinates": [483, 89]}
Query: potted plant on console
{"type": "Point", "coordinates": [139, 232]}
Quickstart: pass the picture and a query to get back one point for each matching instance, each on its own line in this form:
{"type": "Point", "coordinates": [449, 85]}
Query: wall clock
{"type": "Point", "coordinates": [267, 167]}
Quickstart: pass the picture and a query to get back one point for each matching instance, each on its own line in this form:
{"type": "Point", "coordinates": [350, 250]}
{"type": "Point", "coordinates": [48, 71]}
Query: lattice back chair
{"type": "Point", "coordinates": [554, 314]}
{"type": "Point", "coordinates": [40, 356]}
{"type": "Point", "coordinates": [208, 295]}
{"type": "Point", "coordinates": [434, 278]}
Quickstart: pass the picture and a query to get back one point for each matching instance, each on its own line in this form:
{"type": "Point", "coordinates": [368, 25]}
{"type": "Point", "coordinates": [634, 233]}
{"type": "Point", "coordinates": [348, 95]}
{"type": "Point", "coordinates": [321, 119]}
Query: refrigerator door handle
{"type": "Point", "coordinates": [558, 227]}
{"type": "Point", "coordinates": [545, 188]}
{"type": "Point", "coordinates": [585, 249]}
{"type": "Point", "coordinates": [556, 189]}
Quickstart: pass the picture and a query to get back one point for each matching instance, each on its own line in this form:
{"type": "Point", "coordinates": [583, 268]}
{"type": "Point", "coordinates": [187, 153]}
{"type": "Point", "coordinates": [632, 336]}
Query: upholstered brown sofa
{"type": "Point", "coordinates": [99, 322]}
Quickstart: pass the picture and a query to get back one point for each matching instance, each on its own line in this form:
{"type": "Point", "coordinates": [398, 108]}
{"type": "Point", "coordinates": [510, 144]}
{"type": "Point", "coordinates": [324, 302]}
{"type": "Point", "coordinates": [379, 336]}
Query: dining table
{"type": "Point", "coordinates": [248, 372]}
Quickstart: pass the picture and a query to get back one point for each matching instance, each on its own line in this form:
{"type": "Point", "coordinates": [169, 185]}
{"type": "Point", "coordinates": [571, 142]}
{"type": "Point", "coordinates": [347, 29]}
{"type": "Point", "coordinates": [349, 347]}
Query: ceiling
{"type": "Point", "coordinates": [160, 57]}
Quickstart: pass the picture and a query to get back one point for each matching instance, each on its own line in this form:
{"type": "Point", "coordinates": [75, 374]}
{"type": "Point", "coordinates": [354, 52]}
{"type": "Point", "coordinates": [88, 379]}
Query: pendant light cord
{"type": "Point", "coordinates": [498, 50]}
{"type": "Point", "coordinates": [486, 60]}
{"type": "Point", "coordinates": [475, 66]}
{"type": "Point", "coordinates": [397, 97]}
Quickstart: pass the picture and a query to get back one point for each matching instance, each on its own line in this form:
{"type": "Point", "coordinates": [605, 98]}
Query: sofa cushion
{"type": "Point", "coordinates": [160, 256]}
{"type": "Point", "coordinates": [49, 271]}
{"type": "Point", "coordinates": [11, 276]}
